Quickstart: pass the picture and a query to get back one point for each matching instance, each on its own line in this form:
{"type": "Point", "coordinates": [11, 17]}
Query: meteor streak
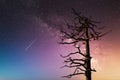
{"type": "Point", "coordinates": [29, 46]}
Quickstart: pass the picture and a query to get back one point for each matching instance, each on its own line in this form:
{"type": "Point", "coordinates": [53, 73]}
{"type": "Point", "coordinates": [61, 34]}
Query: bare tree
{"type": "Point", "coordinates": [84, 30]}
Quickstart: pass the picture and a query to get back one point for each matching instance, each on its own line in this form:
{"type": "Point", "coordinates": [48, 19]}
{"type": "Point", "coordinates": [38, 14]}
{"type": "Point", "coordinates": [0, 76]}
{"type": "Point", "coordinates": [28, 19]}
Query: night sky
{"type": "Point", "coordinates": [29, 36]}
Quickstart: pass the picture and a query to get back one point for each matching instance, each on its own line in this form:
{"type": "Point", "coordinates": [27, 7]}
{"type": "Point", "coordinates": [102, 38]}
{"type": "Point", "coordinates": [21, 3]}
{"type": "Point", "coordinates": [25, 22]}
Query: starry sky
{"type": "Point", "coordinates": [29, 36]}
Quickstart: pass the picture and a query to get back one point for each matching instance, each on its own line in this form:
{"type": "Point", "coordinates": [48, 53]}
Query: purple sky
{"type": "Point", "coordinates": [29, 36]}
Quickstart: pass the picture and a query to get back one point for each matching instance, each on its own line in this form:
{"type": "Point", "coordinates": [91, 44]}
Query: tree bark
{"type": "Point", "coordinates": [88, 57]}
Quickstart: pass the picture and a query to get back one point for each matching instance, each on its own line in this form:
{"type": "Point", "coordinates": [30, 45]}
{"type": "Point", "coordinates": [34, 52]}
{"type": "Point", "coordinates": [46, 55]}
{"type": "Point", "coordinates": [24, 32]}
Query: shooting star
{"type": "Point", "coordinates": [29, 46]}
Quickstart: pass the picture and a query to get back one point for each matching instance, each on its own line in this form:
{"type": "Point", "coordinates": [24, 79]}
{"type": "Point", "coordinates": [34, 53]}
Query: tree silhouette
{"type": "Point", "coordinates": [84, 30]}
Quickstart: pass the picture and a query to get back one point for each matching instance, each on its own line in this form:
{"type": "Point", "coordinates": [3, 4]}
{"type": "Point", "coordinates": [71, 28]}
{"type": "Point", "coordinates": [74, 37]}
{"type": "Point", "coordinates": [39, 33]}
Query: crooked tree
{"type": "Point", "coordinates": [83, 29]}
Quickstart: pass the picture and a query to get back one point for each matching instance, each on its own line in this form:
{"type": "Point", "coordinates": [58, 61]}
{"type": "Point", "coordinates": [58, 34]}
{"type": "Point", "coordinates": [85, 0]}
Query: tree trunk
{"type": "Point", "coordinates": [88, 57]}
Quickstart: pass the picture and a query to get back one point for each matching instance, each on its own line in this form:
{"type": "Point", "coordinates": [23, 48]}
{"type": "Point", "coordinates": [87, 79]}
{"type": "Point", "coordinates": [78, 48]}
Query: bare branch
{"type": "Point", "coordinates": [93, 70]}
{"type": "Point", "coordinates": [81, 69]}
{"type": "Point", "coordinates": [69, 42]}
{"type": "Point", "coordinates": [104, 33]}
{"type": "Point", "coordinates": [76, 13]}
{"type": "Point", "coordinates": [69, 66]}
{"type": "Point", "coordinates": [69, 54]}
{"type": "Point", "coordinates": [67, 34]}
{"type": "Point", "coordinates": [80, 51]}
{"type": "Point", "coordinates": [75, 62]}
{"type": "Point", "coordinates": [79, 60]}
{"type": "Point", "coordinates": [71, 75]}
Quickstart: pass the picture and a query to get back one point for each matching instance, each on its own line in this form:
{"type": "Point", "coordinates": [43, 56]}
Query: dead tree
{"type": "Point", "coordinates": [84, 30]}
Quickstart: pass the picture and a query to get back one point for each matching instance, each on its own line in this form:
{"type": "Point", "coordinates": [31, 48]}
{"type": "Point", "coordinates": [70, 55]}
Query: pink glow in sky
{"type": "Point", "coordinates": [29, 36]}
